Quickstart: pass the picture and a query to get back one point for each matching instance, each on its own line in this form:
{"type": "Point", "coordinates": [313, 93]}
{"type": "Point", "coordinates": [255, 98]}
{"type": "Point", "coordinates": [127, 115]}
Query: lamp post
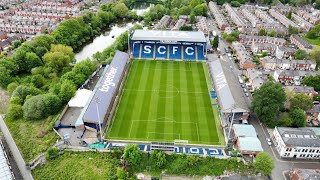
{"type": "Point", "coordinates": [97, 102]}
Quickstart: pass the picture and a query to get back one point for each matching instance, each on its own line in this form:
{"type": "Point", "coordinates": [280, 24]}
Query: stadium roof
{"type": "Point", "coordinates": [168, 36]}
{"type": "Point", "coordinates": [228, 90]}
{"type": "Point", "coordinates": [5, 172]}
{"type": "Point", "coordinates": [107, 87]}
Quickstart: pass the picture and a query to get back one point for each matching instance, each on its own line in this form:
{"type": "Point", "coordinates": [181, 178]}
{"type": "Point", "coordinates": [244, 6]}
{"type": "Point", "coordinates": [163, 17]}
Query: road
{"type": "Point", "coordinates": [26, 173]}
{"type": "Point", "coordinates": [281, 165]}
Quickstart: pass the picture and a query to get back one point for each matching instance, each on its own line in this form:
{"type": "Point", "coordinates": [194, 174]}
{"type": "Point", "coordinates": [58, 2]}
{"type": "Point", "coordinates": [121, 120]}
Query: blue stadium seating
{"type": "Point", "coordinates": [175, 51]}
{"type": "Point", "coordinates": [147, 51]}
{"type": "Point", "coordinates": [136, 50]}
{"type": "Point", "coordinates": [161, 51]}
{"type": "Point", "coordinates": [189, 52]}
{"type": "Point", "coordinates": [200, 53]}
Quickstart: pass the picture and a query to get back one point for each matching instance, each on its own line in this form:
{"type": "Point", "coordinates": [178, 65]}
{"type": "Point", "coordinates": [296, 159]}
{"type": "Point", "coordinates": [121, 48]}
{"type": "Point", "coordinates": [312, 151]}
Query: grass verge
{"type": "Point", "coordinates": [31, 137]}
{"type": "Point", "coordinates": [78, 165]}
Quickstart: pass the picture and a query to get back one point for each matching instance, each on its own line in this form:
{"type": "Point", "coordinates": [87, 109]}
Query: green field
{"type": "Point", "coordinates": [166, 101]}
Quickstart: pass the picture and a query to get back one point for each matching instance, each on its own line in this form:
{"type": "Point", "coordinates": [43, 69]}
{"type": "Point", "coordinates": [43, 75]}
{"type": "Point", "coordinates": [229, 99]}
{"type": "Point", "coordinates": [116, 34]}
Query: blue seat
{"type": "Point", "coordinates": [147, 51]}
{"type": "Point", "coordinates": [162, 51]}
{"type": "Point", "coordinates": [201, 53]}
{"type": "Point", "coordinates": [175, 51]}
{"type": "Point", "coordinates": [136, 50]}
{"type": "Point", "coordinates": [189, 52]}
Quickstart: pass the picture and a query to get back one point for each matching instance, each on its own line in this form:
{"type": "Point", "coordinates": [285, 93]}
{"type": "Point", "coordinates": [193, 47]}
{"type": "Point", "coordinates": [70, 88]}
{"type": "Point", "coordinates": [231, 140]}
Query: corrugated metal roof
{"type": "Point", "coordinates": [107, 88]}
{"type": "Point", "coordinates": [227, 87]}
{"type": "Point", "coordinates": [179, 36]}
{"type": "Point", "coordinates": [246, 130]}
{"type": "Point", "coordinates": [250, 144]}
{"type": "Point", "coordinates": [5, 172]}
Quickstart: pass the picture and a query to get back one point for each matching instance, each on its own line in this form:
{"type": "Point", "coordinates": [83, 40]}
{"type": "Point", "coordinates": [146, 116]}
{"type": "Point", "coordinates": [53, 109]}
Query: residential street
{"type": "Point", "coordinates": [26, 173]}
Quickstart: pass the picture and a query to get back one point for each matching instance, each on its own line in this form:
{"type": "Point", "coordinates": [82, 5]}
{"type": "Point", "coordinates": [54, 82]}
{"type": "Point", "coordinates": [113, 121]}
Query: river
{"type": "Point", "coordinates": [107, 38]}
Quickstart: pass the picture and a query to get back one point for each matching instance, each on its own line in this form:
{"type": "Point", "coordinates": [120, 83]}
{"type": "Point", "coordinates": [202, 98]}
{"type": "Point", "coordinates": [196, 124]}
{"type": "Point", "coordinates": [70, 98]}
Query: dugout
{"type": "Point", "coordinates": [173, 45]}
{"type": "Point", "coordinates": [102, 103]}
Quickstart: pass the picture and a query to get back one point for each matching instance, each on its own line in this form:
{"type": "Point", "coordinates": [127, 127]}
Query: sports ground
{"type": "Point", "coordinates": [165, 101]}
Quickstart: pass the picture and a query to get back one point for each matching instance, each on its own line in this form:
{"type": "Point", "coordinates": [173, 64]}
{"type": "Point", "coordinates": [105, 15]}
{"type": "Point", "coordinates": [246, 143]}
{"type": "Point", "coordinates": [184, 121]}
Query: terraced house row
{"type": "Point", "coordinates": [219, 17]}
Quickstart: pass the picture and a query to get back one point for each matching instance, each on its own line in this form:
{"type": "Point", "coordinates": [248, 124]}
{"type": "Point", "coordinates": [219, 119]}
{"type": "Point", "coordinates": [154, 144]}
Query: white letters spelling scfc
{"type": "Point", "coordinates": [109, 80]}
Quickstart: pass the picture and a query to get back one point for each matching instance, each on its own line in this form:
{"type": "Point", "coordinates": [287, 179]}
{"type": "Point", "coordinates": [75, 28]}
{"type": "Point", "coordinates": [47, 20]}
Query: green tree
{"type": "Point", "coordinates": [77, 79]}
{"type": "Point", "coordinates": [43, 41]}
{"type": "Point", "coordinates": [40, 106]}
{"type": "Point", "coordinates": [235, 4]}
{"type": "Point", "coordinates": [67, 90]}
{"type": "Point", "coordinates": [38, 80]}
{"type": "Point", "coordinates": [16, 43]}
{"type": "Point", "coordinates": [56, 60]}
{"type": "Point", "coordinates": [314, 32]}
{"type": "Point", "coordinates": [264, 163]}
{"type": "Point", "coordinates": [11, 87]}
{"type": "Point", "coordinates": [301, 101]}
{"type": "Point", "coordinates": [32, 60]}
{"type": "Point", "coordinates": [298, 118]}
{"type": "Point", "coordinates": [52, 153]}
{"type": "Point", "coordinates": [14, 112]}
{"type": "Point", "coordinates": [215, 42]}
{"type": "Point", "coordinates": [317, 2]}
{"type": "Point", "coordinates": [262, 32]}
{"type": "Point", "coordinates": [293, 30]}
{"type": "Point", "coordinates": [313, 81]}
{"type": "Point", "coordinates": [120, 10]}
{"type": "Point", "coordinates": [192, 18]}
{"type": "Point", "coordinates": [272, 33]}
{"type": "Point", "coordinates": [132, 155]}
{"type": "Point", "coordinates": [315, 54]}
{"type": "Point", "coordinates": [300, 3]}
{"type": "Point", "coordinates": [86, 67]}
{"type": "Point", "coordinates": [185, 10]}
{"type": "Point", "coordinates": [200, 10]}
{"type": "Point", "coordinates": [159, 159]}
{"type": "Point", "coordinates": [267, 102]}
{"type": "Point", "coordinates": [300, 54]}
{"type": "Point", "coordinates": [6, 77]}
{"type": "Point", "coordinates": [289, 15]}
{"type": "Point", "coordinates": [195, 3]}
{"type": "Point", "coordinates": [22, 91]}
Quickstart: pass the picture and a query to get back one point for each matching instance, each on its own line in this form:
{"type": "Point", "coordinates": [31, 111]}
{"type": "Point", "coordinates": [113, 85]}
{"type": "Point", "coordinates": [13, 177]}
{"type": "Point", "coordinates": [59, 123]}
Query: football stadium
{"type": "Point", "coordinates": [165, 96]}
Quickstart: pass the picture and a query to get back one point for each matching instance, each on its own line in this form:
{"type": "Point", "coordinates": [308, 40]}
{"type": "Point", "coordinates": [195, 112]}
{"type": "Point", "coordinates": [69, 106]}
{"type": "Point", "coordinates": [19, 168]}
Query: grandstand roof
{"type": "Point", "coordinates": [178, 36]}
{"type": "Point", "coordinates": [229, 92]}
{"type": "Point", "coordinates": [107, 87]}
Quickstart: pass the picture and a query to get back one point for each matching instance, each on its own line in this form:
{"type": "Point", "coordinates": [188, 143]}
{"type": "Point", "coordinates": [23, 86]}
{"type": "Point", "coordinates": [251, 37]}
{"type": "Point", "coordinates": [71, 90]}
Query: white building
{"type": "Point", "coordinates": [300, 143]}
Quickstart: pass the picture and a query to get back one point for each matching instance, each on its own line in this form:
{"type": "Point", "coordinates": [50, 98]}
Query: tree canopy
{"type": "Point", "coordinates": [301, 101]}
{"type": "Point", "coordinates": [298, 118]}
{"type": "Point", "coordinates": [264, 163]}
{"type": "Point", "coordinates": [313, 81]}
{"type": "Point", "coordinates": [267, 102]}
{"type": "Point", "coordinates": [300, 54]}
{"type": "Point", "coordinates": [132, 154]}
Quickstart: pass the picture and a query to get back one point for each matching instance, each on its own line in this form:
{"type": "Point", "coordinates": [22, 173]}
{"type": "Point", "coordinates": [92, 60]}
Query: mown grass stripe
{"type": "Point", "coordinates": [148, 73]}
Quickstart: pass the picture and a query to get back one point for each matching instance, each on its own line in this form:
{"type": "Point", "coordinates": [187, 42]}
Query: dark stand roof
{"type": "Point", "coordinates": [107, 89]}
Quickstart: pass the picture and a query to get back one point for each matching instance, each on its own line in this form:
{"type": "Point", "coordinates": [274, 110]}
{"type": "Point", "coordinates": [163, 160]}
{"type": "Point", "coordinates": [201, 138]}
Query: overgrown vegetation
{"type": "Point", "coordinates": [233, 36]}
{"type": "Point", "coordinates": [82, 165]}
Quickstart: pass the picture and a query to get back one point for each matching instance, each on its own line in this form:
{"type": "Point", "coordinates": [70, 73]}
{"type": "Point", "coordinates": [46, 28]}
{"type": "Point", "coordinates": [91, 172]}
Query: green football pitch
{"type": "Point", "coordinates": [165, 101]}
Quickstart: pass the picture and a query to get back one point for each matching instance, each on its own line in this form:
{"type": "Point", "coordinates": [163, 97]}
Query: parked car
{"type": "Point", "coordinates": [247, 94]}
{"type": "Point", "coordinates": [245, 90]}
{"type": "Point", "coordinates": [269, 143]}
